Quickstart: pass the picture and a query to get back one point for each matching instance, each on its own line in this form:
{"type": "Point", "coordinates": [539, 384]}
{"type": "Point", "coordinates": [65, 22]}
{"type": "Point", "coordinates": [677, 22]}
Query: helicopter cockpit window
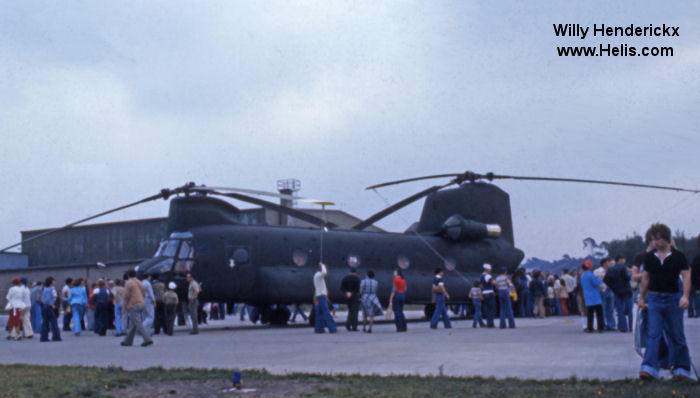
{"type": "Point", "coordinates": [353, 260]}
{"type": "Point", "coordinates": [403, 262]}
{"type": "Point", "coordinates": [162, 267]}
{"type": "Point", "coordinates": [300, 257]}
{"type": "Point", "coordinates": [167, 248]}
{"type": "Point", "coordinates": [185, 258]}
{"type": "Point", "coordinates": [185, 250]}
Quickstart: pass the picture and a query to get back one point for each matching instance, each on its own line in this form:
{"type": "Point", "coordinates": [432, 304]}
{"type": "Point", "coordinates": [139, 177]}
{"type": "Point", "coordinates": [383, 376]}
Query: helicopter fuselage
{"type": "Point", "coordinates": [264, 265]}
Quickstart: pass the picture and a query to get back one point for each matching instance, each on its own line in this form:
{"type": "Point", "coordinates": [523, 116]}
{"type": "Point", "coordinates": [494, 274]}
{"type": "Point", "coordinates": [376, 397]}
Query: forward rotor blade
{"type": "Point", "coordinates": [163, 194]}
{"type": "Point", "coordinates": [391, 209]}
{"type": "Point", "coordinates": [386, 184]}
{"type": "Point", "coordinates": [203, 188]}
{"type": "Point", "coordinates": [624, 184]}
{"type": "Point", "coordinates": [274, 206]}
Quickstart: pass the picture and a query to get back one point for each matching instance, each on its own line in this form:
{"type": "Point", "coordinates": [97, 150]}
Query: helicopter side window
{"type": "Point", "coordinates": [403, 262]}
{"type": "Point", "coordinates": [185, 258]}
{"type": "Point", "coordinates": [300, 257]}
{"type": "Point", "coordinates": [450, 264]}
{"type": "Point", "coordinates": [353, 260]}
{"type": "Point", "coordinates": [237, 256]}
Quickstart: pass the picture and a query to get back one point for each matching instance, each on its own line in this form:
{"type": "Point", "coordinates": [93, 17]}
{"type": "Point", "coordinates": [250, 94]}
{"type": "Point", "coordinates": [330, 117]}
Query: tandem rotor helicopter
{"type": "Point", "coordinates": [269, 267]}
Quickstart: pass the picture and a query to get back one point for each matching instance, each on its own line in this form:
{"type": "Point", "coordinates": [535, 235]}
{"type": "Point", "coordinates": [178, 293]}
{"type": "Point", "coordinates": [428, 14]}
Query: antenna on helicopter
{"type": "Point", "coordinates": [324, 229]}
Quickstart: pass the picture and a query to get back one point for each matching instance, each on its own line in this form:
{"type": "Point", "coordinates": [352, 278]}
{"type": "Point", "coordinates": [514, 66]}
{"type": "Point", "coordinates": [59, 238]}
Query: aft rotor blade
{"type": "Point", "coordinates": [391, 209]}
{"type": "Point", "coordinates": [624, 184]}
{"type": "Point", "coordinates": [471, 176]}
{"type": "Point", "coordinates": [262, 193]}
{"type": "Point", "coordinates": [274, 206]}
{"type": "Point", "coordinates": [163, 194]}
{"type": "Point", "coordinates": [386, 184]}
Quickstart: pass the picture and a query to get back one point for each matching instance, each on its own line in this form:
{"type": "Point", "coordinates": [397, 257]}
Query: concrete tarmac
{"type": "Point", "coordinates": [539, 349]}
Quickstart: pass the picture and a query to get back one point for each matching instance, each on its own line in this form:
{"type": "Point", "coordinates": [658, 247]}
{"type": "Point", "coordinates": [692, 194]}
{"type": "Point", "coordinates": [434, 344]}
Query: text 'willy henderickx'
{"type": "Point", "coordinates": [610, 50]}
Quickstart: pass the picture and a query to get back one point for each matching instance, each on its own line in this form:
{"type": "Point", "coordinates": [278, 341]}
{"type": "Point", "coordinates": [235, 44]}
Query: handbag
{"type": "Point", "coordinates": [389, 312]}
{"type": "Point", "coordinates": [514, 295]}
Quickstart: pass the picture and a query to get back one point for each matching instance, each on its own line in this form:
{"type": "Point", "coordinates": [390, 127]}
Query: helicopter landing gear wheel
{"type": "Point", "coordinates": [429, 310]}
{"type": "Point", "coordinates": [279, 316]}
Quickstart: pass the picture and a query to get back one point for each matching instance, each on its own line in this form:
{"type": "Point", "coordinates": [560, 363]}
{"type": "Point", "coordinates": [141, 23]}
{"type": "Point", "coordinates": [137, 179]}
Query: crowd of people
{"type": "Point", "coordinates": [659, 280]}
{"type": "Point", "coordinates": [128, 306]}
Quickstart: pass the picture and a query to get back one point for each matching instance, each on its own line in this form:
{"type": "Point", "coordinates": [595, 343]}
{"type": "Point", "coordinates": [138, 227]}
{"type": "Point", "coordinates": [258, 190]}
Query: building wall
{"type": "Point", "coordinates": [13, 261]}
{"type": "Point", "coordinates": [110, 242]}
{"type": "Point", "coordinates": [91, 272]}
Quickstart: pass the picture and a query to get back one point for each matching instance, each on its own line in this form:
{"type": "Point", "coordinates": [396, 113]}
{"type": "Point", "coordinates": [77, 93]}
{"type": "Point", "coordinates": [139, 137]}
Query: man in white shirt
{"type": "Point", "coordinates": [323, 316]}
{"type": "Point", "coordinates": [26, 312]}
{"type": "Point", "coordinates": [570, 283]}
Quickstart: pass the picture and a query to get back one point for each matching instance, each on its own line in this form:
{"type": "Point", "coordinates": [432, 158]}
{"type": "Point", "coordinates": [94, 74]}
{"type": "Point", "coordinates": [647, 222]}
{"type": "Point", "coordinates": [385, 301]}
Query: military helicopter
{"type": "Point", "coordinates": [269, 267]}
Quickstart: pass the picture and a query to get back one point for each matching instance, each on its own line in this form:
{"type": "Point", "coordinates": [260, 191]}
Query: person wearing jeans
{"type": "Point", "coordinates": [659, 290]}
{"type": "Point", "coordinates": [49, 298]}
{"type": "Point", "coordinates": [476, 297]}
{"type": "Point", "coordinates": [618, 280]}
{"type": "Point", "coordinates": [77, 297]}
{"type": "Point", "coordinates": [504, 286]}
{"type": "Point", "coordinates": [440, 295]}
{"type": "Point", "coordinates": [398, 299]}
{"type": "Point", "coordinates": [488, 294]}
{"type": "Point", "coordinates": [322, 315]}
{"type": "Point", "coordinates": [134, 298]}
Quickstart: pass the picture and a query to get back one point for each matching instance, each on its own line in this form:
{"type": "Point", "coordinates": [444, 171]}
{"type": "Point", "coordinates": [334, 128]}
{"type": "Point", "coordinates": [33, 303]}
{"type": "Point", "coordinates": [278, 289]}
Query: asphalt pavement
{"type": "Point", "coordinates": [555, 347]}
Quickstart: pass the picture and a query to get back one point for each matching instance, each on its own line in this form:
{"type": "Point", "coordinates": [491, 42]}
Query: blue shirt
{"type": "Point", "coordinates": [48, 296]}
{"type": "Point", "coordinates": [591, 294]}
{"type": "Point", "coordinates": [77, 295]}
{"type": "Point", "coordinates": [36, 294]}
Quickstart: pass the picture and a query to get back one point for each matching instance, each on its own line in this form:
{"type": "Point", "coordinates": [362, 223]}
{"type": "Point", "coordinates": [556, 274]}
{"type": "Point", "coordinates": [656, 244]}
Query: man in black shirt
{"type": "Point", "coordinates": [350, 285]}
{"type": "Point", "coordinates": [662, 266]}
{"type": "Point", "coordinates": [618, 280]}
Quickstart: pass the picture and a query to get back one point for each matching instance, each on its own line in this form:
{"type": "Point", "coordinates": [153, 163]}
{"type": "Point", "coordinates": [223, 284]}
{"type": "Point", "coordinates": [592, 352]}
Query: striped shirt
{"type": "Point", "coordinates": [502, 282]}
{"type": "Point", "coordinates": [475, 293]}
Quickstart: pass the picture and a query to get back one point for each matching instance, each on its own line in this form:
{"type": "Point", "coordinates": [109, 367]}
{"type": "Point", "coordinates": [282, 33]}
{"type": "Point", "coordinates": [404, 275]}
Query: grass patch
{"type": "Point", "coordinates": [72, 381]}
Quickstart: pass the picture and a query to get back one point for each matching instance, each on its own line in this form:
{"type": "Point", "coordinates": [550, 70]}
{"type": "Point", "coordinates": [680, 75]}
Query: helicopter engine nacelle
{"type": "Point", "coordinates": [458, 228]}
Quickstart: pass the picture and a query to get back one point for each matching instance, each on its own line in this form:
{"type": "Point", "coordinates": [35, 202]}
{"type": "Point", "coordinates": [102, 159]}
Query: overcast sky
{"type": "Point", "coordinates": [103, 104]}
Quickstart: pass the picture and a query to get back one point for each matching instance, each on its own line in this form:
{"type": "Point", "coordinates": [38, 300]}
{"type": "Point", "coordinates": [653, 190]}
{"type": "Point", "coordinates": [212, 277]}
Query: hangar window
{"type": "Point", "coordinates": [300, 257]}
{"type": "Point", "coordinates": [353, 260]}
{"type": "Point", "coordinates": [403, 262]}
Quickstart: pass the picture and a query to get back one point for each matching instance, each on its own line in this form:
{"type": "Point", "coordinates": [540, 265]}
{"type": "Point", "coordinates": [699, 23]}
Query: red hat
{"type": "Point", "coordinates": [16, 280]}
{"type": "Point", "coordinates": [587, 263]}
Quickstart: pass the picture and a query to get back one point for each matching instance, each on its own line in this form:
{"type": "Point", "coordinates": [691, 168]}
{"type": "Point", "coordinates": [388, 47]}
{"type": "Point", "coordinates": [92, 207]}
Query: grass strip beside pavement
{"type": "Point", "coordinates": [72, 381]}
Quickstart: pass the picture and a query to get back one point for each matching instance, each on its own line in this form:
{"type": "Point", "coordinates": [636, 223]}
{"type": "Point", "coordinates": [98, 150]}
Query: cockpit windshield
{"type": "Point", "coordinates": [167, 248]}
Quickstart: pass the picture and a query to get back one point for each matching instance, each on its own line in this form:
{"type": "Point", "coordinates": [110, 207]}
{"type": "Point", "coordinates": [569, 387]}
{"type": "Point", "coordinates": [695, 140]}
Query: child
{"type": "Point", "coordinates": [476, 297]}
{"type": "Point", "coordinates": [550, 298]}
